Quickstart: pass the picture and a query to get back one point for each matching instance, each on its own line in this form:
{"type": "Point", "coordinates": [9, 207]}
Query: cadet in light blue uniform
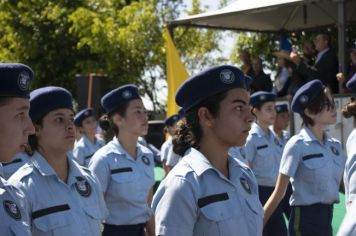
{"type": "Point", "coordinates": [15, 126]}
{"type": "Point", "coordinates": [9, 168]}
{"type": "Point", "coordinates": [88, 144]}
{"type": "Point", "coordinates": [350, 169]}
{"type": "Point", "coordinates": [348, 227]}
{"type": "Point", "coordinates": [124, 167]}
{"type": "Point", "coordinates": [208, 192]}
{"type": "Point", "coordinates": [167, 146]}
{"type": "Point", "coordinates": [63, 197]}
{"type": "Point", "coordinates": [263, 155]}
{"type": "Point", "coordinates": [279, 129]}
{"type": "Point", "coordinates": [314, 162]}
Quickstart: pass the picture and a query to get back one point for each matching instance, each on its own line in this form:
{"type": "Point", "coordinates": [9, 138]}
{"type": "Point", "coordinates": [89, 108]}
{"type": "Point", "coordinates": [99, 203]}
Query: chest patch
{"type": "Point", "coordinates": [245, 185]}
{"type": "Point", "coordinates": [334, 150]}
{"type": "Point", "coordinates": [145, 160]}
{"type": "Point", "coordinates": [82, 186]}
{"type": "Point", "coordinates": [12, 209]}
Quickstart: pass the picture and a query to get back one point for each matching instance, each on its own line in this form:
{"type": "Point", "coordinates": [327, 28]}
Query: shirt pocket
{"type": "Point", "coordinates": [316, 170]}
{"type": "Point", "coordinates": [124, 182]}
{"type": "Point", "coordinates": [217, 217]}
{"type": "Point", "coordinates": [52, 220]}
{"type": "Point", "coordinates": [95, 216]}
{"type": "Point", "coordinates": [264, 159]}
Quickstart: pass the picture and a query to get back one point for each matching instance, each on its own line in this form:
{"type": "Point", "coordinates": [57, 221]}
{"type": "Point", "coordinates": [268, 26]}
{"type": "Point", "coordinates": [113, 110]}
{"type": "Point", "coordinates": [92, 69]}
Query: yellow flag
{"type": "Point", "coordinates": [176, 73]}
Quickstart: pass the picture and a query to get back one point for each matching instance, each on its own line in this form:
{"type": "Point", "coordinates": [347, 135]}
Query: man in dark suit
{"type": "Point", "coordinates": [326, 64]}
{"type": "Point", "coordinates": [260, 80]}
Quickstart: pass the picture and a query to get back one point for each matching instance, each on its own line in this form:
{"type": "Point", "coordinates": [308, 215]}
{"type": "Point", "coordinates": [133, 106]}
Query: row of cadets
{"type": "Point", "coordinates": [15, 126]}
{"type": "Point", "coordinates": [124, 167]}
{"type": "Point", "coordinates": [348, 226]}
{"type": "Point", "coordinates": [208, 192]}
{"type": "Point", "coordinates": [88, 144]}
{"type": "Point", "coordinates": [314, 162]}
{"type": "Point", "coordinates": [263, 154]}
{"type": "Point", "coordinates": [63, 198]}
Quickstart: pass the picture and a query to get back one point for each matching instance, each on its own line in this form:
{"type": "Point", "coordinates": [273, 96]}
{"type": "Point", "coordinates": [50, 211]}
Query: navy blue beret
{"type": "Point", "coordinates": [15, 79]}
{"type": "Point", "coordinates": [305, 95]}
{"type": "Point", "coordinates": [281, 108]}
{"type": "Point", "coordinates": [351, 84]}
{"type": "Point", "coordinates": [208, 83]}
{"type": "Point", "coordinates": [47, 99]}
{"type": "Point", "coordinates": [171, 120]}
{"type": "Point", "coordinates": [116, 97]}
{"type": "Point", "coordinates": [261, 97]}
{"type": "Point", "coordinates": [82, 115]}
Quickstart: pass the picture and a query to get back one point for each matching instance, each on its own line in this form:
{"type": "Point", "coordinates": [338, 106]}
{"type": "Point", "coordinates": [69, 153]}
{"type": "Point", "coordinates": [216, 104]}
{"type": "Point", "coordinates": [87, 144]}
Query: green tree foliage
{"type": "Point", "coordinates": [121, 39]}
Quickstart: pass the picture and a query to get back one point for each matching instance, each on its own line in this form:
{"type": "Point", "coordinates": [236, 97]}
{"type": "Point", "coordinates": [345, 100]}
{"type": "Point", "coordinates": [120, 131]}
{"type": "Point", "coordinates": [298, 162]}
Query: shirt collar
{"type": "Point", "coordinates": [41, 164]}
{"type": "Point", "coordinates": [118, 149]}
{"type": "Point", "coordinates": [199, 163]}
{"type": "Point", "coordinates": [256, 129]}
{"type": "Point", "coordinates": [308, 136]}
{"type": "Point", "coordinates": [320, 54]}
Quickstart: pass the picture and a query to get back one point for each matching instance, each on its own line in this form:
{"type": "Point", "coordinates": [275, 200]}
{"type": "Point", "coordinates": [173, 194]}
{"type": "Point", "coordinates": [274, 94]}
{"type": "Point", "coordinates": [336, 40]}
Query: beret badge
{"type": "Point", "coordinates": [23, 80]}
{"type": "Point", "coordinates": [304, 99]}
{"type": "Point", "coordinates": [227, 76]}
{"type": "Point", "coordinates": [127, 94]}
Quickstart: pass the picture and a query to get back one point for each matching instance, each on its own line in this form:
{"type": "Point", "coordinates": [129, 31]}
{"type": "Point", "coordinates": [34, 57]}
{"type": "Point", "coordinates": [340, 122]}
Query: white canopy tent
{"type": "Point", "coordinates": [278, 16]}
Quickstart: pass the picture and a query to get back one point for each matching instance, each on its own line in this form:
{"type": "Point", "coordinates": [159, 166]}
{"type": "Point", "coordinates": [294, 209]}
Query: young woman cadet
{"type": "Point", "coordinates": [314, 162]}
{"type": "Point", "coordinates": [282, 136]}
{"type": "Point", "coordinates": [170, 124]}
{"type": "Point", "coordinates": [15, 126]}
{"type": "Point", "coordinates": [124, 167]}
{"type": "Point", "coordinates": [348, 227]}
{"type": "Point", "coordinates": [88, 144]}
{"type": "Point", "coordinates": [63, 197]}
{"type": "Point", "coordinates": [208, 192]}
{"type": "Point", "coordinates": [263, 155]}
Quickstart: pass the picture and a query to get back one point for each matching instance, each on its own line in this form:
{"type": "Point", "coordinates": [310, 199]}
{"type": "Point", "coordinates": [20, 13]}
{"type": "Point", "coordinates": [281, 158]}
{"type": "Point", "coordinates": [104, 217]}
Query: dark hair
{"type": "Point", "coordinates": [32, 139]}
{"type": "Point", "coordinates": [107, 124]}
{"type": "Point", "coordinates": [188, 133]}
{"type": "Point", "coordinates": [316, 105]}
{"type": "Point", "coordinates": [349, 110]}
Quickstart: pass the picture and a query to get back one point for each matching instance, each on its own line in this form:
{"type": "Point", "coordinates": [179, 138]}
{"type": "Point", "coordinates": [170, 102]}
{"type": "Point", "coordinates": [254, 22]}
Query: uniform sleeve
{"type": "Point", "coordinates": [349, 179]}
{"type": "Point", "coordinates": [101, 201]}
{"type": "Point", "coordinates": [290, 159]}
{"type": "Point", "coordinates": [172, 158]}
{"type": "Point", "coordinates": [101, 169]}
{"type": "Point", "coordinates": [175, 208]}
{"type": "Point", "coordinates": [250, 149]}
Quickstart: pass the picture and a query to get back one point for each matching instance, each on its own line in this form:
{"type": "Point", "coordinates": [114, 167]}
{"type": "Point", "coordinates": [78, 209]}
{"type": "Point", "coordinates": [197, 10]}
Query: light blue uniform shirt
{"type": "Point", "coordinates": [13, 216]}
{"type": "Point", "coordinates": [9, 168]}
{"type": "Point", "coordinates": [348, 226]}
{"type": "Point", "coordinates": [57, 208]}
{"type": "Point", "coordinates": [84, 150]}
{"type": "Point", "coordinates": [126, 182]}
{"type": "Point", "coordinates": [238, 153]}
{"type": "Point", "coordinates": [262, 151]}
{"type": "Point", "coordinates": [315, 169]}
{"type": "Point", "coordinates": [196, 199]}
{"type": "Point", "coordinates": [350, 168]}
{"type": "Point", "coordinates": [165, 148]}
